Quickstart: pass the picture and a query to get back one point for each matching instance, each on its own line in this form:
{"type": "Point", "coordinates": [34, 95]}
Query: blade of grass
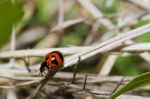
{"type": "Point", "coordinates": [139, 81]}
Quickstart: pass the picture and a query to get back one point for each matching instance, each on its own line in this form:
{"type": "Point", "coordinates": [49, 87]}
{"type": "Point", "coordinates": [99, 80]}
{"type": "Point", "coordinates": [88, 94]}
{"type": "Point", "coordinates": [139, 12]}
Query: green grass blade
{"type": "Point", "coordinates": [139, 81]}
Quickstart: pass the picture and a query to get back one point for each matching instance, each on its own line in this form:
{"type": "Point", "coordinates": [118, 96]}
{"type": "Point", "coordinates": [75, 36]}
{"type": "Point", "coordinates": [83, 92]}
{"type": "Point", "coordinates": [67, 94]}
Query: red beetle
{"type": "Point", "coordinates": [53, 61]}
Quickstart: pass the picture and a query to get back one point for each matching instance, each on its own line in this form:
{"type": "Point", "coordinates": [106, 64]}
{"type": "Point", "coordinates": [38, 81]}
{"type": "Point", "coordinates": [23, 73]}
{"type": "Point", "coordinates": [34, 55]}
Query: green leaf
{"type": "Point", "coordinates": [139, 81]}
{"type": "Point", "coordinates": [10, 13]}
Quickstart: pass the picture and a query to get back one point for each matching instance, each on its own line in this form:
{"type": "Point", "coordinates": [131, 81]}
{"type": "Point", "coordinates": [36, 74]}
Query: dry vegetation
{"type": "Point", "coordinates": [107, 37]}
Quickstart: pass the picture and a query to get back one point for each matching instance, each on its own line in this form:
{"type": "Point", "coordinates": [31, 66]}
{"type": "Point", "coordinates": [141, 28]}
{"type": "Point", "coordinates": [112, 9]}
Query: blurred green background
{"type": "Point", "coordinates": [44, 14]}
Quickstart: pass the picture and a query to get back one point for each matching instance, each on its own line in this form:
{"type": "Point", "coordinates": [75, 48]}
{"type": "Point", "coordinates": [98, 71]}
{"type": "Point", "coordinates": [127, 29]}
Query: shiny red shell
{"type": "Point", "coordinates": [53, 60]}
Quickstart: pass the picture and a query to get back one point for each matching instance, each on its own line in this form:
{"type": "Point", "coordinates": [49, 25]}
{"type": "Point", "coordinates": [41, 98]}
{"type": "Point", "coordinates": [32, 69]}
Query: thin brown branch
{"type": "Point", "coordinates": [42, 83]}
